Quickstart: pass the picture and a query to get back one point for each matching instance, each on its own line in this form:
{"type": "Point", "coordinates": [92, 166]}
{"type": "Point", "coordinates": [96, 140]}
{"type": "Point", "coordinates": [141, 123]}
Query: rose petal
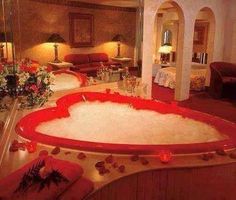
{"type": "Point", "coordinates": [221, 152]}
{"type": "Point", "coordinates": [100, 164]}
{"type": "Point", "coordinates": [207, 156]}
{"type": "Point", "coordinates": [109, 159]}
{"type": "Point", "coordinates": [134, 157]}
{"type": "Point", "coordinates": [232, 155]}
{"type": "Point", "coordinates": [121, 168]}
{"type": "Point", "coordinates": [56, 150]}
{"type": "Point", "coordinates": [81, 156]}
{"type": "Point", "coordinates": [144, 161]}
{"type": "Point", "coordinates": [43, 153]}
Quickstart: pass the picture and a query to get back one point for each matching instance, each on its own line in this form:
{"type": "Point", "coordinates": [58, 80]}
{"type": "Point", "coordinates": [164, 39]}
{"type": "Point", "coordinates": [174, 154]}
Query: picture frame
{"type": "Point", "coordinates": [200, 33]}
{"type": "Point", "coordinates": [81, 30]}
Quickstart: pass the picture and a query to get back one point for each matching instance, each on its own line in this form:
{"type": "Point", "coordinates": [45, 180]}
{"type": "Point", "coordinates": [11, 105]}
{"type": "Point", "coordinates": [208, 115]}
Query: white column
{"type": "Point", "coordinates": [148, 48]}
{"type": "Point", "coordinates": [184, 59]}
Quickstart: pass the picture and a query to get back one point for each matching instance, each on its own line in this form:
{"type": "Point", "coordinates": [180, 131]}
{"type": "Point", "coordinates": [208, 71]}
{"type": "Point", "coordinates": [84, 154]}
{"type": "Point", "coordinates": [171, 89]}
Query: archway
{"type": "Point", "coordinates": [203, 49]}
{"type": "Point", "coordinates": [168, 50]}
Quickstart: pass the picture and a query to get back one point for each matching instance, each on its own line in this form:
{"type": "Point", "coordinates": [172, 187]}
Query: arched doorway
{"type": "Point", "coordinates": [168, 50]}
{"type": "Point", "coordinates": [203, 42]}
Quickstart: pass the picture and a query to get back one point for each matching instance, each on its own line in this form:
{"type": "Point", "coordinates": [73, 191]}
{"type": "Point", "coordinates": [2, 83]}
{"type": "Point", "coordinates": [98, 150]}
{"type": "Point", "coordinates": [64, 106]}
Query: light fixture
{"type": "Point", "coordinates": [56, 38]}
{"type": "Point", "coordinates": [165, 51]}
{"type": "Point", "coordinates": [118, 38]}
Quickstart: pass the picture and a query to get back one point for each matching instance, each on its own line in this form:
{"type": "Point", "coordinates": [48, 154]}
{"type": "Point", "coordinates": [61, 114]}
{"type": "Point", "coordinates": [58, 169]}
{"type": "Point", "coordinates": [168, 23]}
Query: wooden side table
{"type": "Point", "coordinates": [62, 65]}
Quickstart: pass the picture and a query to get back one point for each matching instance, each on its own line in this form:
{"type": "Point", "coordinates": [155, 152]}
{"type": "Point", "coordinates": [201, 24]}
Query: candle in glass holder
{"type": "Point", "coordinates": [31, 146]}
{"type": "Point", "coordinates": [165, 156]}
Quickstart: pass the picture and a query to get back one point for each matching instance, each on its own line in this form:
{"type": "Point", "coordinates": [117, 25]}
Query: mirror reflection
{"type": "Point", "coordinates": [77, 37]}
{"type": "Point", "coordinates": [166, 37]}
{"type": "Point", "coordinates": [6, 57]}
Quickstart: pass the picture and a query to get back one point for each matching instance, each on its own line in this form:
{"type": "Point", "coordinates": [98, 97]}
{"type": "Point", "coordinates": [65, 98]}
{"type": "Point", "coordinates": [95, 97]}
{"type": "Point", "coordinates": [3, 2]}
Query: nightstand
{"type": "Point", "coordinates": [61, 65]}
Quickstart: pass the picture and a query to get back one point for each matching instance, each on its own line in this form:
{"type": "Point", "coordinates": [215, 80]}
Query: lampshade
{"type": "Point", "coordinates": [5, 37]}
{"type": "Point", "coordinates": [118, 38]}
{"type": "Point", "coordinates": [55, 38]}
{"type": "Point", "coordinates": [165, 49]}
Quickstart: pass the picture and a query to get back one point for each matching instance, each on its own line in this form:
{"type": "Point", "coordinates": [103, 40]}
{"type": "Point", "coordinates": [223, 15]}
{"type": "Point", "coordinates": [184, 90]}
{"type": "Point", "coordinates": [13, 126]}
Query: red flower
{"type": "Point", "coordinates": [30, 69]}
{"type": "Point", "coordinates": [34, 88]}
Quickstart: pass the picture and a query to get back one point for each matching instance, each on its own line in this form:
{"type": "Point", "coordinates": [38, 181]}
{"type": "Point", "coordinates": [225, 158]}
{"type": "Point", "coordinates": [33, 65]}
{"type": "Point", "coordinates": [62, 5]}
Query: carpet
{"type": "Point", "coordinates": [200, 101]}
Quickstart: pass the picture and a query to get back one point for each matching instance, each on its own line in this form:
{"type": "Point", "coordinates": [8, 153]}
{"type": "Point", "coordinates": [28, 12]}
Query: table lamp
{"type": "Point", "coordinates": [118, 38]}
{"type": "Point", "coordinates": [165, 50]}
{"type": "Point", "coordinates": [56, 38]}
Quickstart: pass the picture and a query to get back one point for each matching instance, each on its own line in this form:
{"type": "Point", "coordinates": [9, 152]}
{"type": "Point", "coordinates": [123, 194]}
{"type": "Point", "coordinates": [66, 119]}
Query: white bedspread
{"type": "Point", "coordinates": [167, 77]}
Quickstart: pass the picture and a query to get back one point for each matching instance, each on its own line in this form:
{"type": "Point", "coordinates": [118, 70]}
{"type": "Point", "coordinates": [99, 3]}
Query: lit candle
{"type": "Point", "coordinates": [165, 156]}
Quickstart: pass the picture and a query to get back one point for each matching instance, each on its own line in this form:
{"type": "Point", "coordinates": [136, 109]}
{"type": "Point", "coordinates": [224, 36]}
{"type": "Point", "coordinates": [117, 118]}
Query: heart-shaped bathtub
{"type": "Point", "coordinates": [113, 123]}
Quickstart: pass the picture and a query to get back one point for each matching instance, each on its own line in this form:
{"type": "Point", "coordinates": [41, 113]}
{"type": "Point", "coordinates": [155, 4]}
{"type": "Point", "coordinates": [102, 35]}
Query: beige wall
{"type": "Point", "coordinates": [38, 20]}
{"type": "Point", "coordinates": [189, 10]}
{"type": "Point", "coordinates": [230, 33]}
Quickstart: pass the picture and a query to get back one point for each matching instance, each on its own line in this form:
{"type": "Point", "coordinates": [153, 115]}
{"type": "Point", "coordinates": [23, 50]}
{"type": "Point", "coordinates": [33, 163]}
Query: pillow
{"type": "Point", "coordinates": [12, 187]}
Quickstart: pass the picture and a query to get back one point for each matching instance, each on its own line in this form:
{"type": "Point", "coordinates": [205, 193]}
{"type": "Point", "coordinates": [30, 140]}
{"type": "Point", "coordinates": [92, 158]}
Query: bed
{"type": "Point", "coordinates": [167, 77]}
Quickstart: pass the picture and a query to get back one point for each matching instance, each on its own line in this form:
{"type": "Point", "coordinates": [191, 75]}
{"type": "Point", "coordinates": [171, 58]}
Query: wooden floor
{"type": "Point", "coordinates": [185, 163]}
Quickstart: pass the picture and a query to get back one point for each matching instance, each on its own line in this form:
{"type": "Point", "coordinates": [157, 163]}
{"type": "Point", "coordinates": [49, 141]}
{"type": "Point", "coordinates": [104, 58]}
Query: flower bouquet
{"type": "Point", "coordinates": [31, 82]}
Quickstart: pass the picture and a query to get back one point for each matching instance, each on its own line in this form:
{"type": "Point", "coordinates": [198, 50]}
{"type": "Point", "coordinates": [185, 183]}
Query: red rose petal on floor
{"type": "Point", "coordinates": [102, 170]}
{"type": "Point", "coordinates": [207, 156]}
{"type": "Point", "coordinates": [14, 142]}
{"type": "Point", "coordinates": [134, 157]}
{"type": "Point", "coordinates": [115, 165]}
{"type": "Point", "coordinates": [109, 159]}
{"type": "Point", "coordinates": [56, 150]}
{"type": "Point", "coordinates": [221, 152]}
{"type": "Point", "coordinates": [81, 156]}
{"type": "Point", "coordinates": [232, 155]}
{"type": "Point", "coordinates": [43, 153]}
{"type": "Point", "coordinates": [100, 164]}
{"type": "Point", "coordinates": [121, 168]}
{"type": "Point", "coordinates": [144, 161]}
{"type": "Point", "coordinates": [13, 148]}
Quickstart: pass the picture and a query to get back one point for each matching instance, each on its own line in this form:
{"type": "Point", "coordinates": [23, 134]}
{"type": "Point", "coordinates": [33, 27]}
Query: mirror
{"type": "Point", "coordinates": [6, 37]}
{"type": "Point", "coordinates": [6, 57]}
{"type": "Point", "coordinates": [167, 26]}
{"type": "Point", "coordinates": [54, 31]}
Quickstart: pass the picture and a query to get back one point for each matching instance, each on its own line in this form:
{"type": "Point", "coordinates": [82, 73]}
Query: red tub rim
{"type": "Point", "coordinates": [27, 125]}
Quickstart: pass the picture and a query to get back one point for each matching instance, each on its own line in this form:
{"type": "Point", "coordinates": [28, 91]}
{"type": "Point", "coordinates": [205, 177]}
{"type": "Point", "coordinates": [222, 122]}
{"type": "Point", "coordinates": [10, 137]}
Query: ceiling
{"type": "Point", "coordinates": [120, 3]}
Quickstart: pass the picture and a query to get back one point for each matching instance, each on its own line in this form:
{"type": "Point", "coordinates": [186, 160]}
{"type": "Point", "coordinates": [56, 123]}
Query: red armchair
{"type": "Point", "coordinates": [223, 79]}
{"type": "Point", "coordinates": [88, 63]}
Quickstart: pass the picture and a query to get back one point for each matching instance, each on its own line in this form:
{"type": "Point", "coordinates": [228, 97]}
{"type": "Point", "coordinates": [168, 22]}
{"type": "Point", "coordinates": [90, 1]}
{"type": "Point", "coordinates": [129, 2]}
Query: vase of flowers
{"type": "Point", "coordinates": [34, 84]}
{"type": "Point", "coordinates": [31, 83]}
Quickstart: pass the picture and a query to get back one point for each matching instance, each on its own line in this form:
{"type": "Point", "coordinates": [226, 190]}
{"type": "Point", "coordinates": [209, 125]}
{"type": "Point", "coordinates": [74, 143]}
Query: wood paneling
{"type": "Point", "coordinates": [203, 183]}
